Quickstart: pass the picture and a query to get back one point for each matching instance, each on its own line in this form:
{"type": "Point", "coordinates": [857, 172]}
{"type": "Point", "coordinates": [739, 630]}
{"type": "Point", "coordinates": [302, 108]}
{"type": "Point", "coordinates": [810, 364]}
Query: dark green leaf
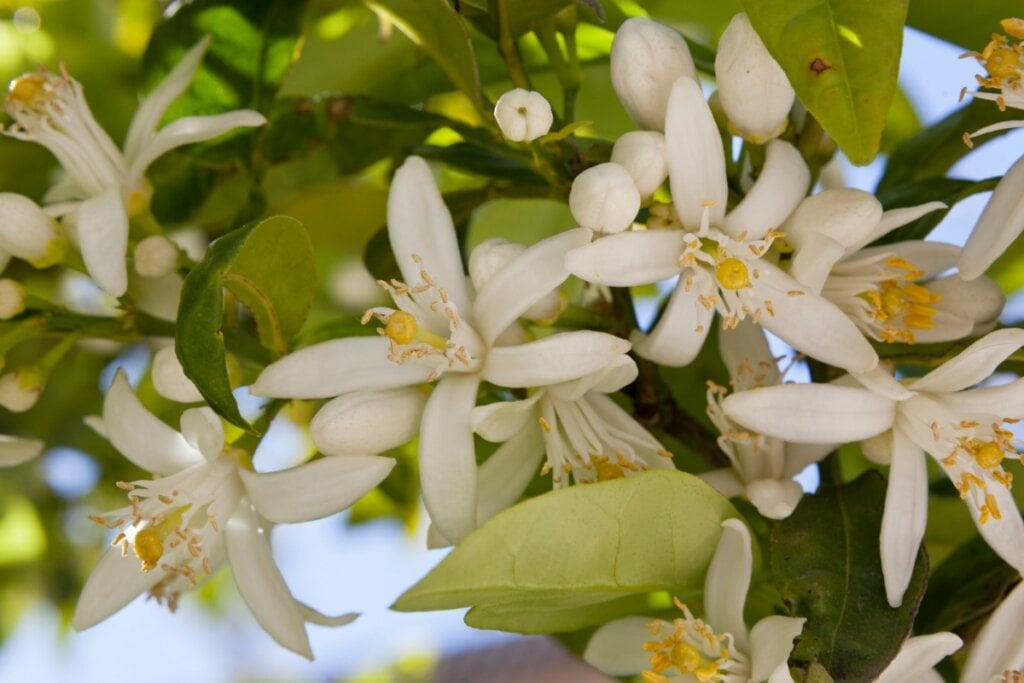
{"type": "Point", "coordinates": [948, 190]}
{"type": "Point", "coordinates": [963, 22]}
{"type": "Point", "coordinates": [825, 563]}
{"type": "Point", "coordinates": [481, 161]}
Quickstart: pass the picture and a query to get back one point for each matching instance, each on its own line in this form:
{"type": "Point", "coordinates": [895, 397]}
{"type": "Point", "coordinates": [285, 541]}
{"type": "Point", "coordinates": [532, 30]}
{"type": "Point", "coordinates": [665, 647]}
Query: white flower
{"type": "Point", "coordinates": [206, 506]}
{"type": "Point", "coordinates": [523, 115]}
{"type": "Point", "coordinates": [439, 330]}
{"type": "Point", "coordinates": [20, 389]}
{"type": "Point", "coordinates": [604, 198]}
{"type": "Point", "coordinates": [717, 648]}
{"type": "Point", "coordinates": [490, 256]}
{"type": "Point", "coordinates": [1004, 62]}
{"type": "Point", "coordinates": [155, 256]}
{"type": "Point", "coordinates": [998, 651]}
{"type": "Point", "coordinates": [26, 232]}
{"type": "Point", "coordinates": [170, 381]}
{"type": "Point", "coordinates": [999, 225]}
{"type": "Point", "coordinates": [963, 428]}
{"type": "Point", "coordinates": [916, 658]}
{"type": "Point", "coordinates": [14, 450]}
{"type": "Point", "coordinates": [106, 186]}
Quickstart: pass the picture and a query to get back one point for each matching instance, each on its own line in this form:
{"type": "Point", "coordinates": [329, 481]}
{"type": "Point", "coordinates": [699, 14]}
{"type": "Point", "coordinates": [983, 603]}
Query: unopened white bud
{"type": "Point", "coordinates": [489, 257]}
{"type": "Point", "coordinates": [20, 389]}
{"type": "Point", "coordinates": [155, 256]}
{"type": "Point", "coordinates": [753, 88]}
{"type": "Point", "coordinates": [367, 421]}
{"type": "Point", "coordinates": [646, 60]}
{"type": "Point", "coordinates": [523, 115]}
{"type": "Point", "coordinates": [28, 233]}
{"type": "Point", "coordinates": [169, 378]}
{"type": "Point", "coordinates": [604, 198]}
{"type": "Point", "coordinates": [642, 153]}
{"type": "Point", "coordinates": [12, 298]}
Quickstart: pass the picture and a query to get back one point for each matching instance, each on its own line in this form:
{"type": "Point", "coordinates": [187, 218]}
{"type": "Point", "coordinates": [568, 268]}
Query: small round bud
{"type": "Point", "coordinates": [28, 233]}
{"type": "Point", "coordinates": [642, 153]}
{"type": "Point", "coordinates": [604, 198]}
{"type": "Point", "coordinates": [20, 389]}
{"type": "Point", "coordinates": [646, 60]}
{"type": "Point", "coordinates": [169, 378]}
{"type": "Point", "coordinates": [523, 115]}
{"type": "Point", "coordinates": [12, 298]}
{"type": "Point", "coordinates": [489, 257]}
{"type": "Point", "coordinates": [155, 256]}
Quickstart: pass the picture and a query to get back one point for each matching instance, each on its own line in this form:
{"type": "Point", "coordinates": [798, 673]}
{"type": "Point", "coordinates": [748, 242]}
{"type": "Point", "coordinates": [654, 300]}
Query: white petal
{"type": "Point", "coordinates": [502, 420]}
{"type": "Point", "coordinates": [843, 214]}
{"type": "Point", "coordinates": [679, 334]}
{"type": "Point", "coordinates": [931, 258]}
{"type": "Point", "coordinates": [260, 582]}
{"type": "Point", "coordinates": [771, 641]}
{"type": "Point", "coordinates": [335, 367]}
{"type": "Point", "coordinates": [919, 654]}
{"type": "Point", "coordinates": [724, 481]}
{"type": "Point", "coordinates": [972, 365]}
{"type": "Point", "coordinates": [979, 300]}
{"type": "Point", "coordinates": [811, 413]}
{"type": "Point", "coordinates": [813, 261]}
{"type": "Point", "coordinates": [878, 449]}
{"type": "Point", "coordinates": [523, 115]}
{"type": "Point", "coordinates": [420, 225]}
{"type": "Point", "coordinates": [368, 421]}
{"type": "Point", "coordinates": [881, 382]}
{"type": "Point", "coordinates": [617, 647]}
{"type": "Point", "coordinates": [727, 582]}
{"type": "Point", "coordinates": [103, 238]}
{"type": "Point", "coordinates": [314, 489]}
{"type": "Point", "coordinates": [628, 258]}
{"type": "Point", "coordinates": [557, 358]}
{"type": "Point", "coordinates": [140, 436]}
{"type": "Point", "coordinates": [782, 184]}
{"type": "Point", "coordinates": [507, 473]}
{"type": "Point", "coordinates": [189, 129]}
{"type": "Point", "coordinates": [447, 457]}
{"type": "Point", "coordinates": [169, 377]}
{"type": "Point", "coordinates": [895, 218]}
{"type": "Point", "coordinates": [905, 516]}
{"type": "Point", "coordinates": [696, 164]}
{"type": "Point", "coordinates": [604, 198]}
{"type": "Point", "coordinates": [998, 647]}
{"type": "Point", "coordinates": [798, 456]}
{"type": "Point", "coordinates": [114, 582]}
{"type": "Point", "coordinates": [775, 498]}
{"type": "Point", "coordinates": [1005, 535]}
{"type": "Point", "coordinates": [1005, 400]}
{"type": "Point", "coordinates": [319, 618]}
{"type": "Point", "coordinates": [204, 431]}
{"type": "Point", "coordinates": [747, 357]}
{"type": "Point", "coordinates": [618, 373]}
{"type": "Point", "coordinates": [999, 225]}
{"type": "Point", "coordinates": [14, 450]}
{"type": "Point", "coordinates": [526, 280]}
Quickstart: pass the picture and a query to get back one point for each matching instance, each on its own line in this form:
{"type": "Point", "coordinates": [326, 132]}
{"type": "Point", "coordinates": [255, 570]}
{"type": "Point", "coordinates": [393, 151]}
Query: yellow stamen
{"type": "Point", "coordinates": [1013, 27]}
{"type": "Point", "coordinates": [708, 672]}
{"type": "Point", "coordinates": [609, 470]}
{"type": "Point", "coordinates": [685, 657]}
{"type": "Point", "coordinates": [149, 548]}
{"type": "Point", "coordinates": [732, 273]}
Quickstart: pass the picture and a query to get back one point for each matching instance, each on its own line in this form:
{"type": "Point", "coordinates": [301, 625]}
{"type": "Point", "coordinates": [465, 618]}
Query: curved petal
{"type": "Point", "coordinates": [931, 258]}
{"type": "Point", "coordinates": [335, 367]}
{"type": "Point", "coordinates": [189, 129]}
{"type": "Point", "coordinates": [843, 214]}
{"type": "Point", "coordinates": [1004, 535]}
{"type": "Point", "coordinates": [724, 481]}
{"type": "Point", "coordinates": [905, 515]}
{"type": "Point", "coordinates": [627, 259]}
{"type": "Point", "coordinates": [813, 261]}
{"type": "Point", "coordinates": [314, 489]}
{"type": "Point", "coordinates": [1000, 400]}
{"type": "Point", "coordinates": [798, 456]}
{"type": "Point", "coordinates": [502, 420]}
{"type": "Point", "coordinates": [617, 648]}
{"type": "Point", "coordinates": [917, 655]}
{"type": "Point", "coordinates": [696, 164]}
{"type": "Point", "coordinates": [728, 580]}
{"type": "Point", "coordinates": [204, 431]}
{"type": "Point", "coordinates": [881, 382]}
{"type": "Point", "coordinates": [260, 583]}
{"type": "Point", "coordinates": [319, 618]}
{"type": "Point", "coordinates": [747, 356]}
{"type": "Point", "coordinates": [979, 300]}
{"type": "Point", "coordinates": [811, 413]}
{"type": "Point", "coordinates": [447, 459]}
{"type": "Point", "coordinates": [782, 184]}
{"type": "Point", "coordinates": [507, 473]}
{"type": "Point", "coordinates": [677, 337]}
{"type": "Point", "coordinates": [998, 647]}
{"type": "Point", "coordinates": [771, 641]}
{"type": "Point", "coordinates": [140, 436]}
{"type": "Point", "coordinates": [999, 225]}
{"type": "Point", "coordinates": [114, 582]}
{"type": "Point", "coordinates": [368, 421]}
{"type": "Point", "coordinates": [894, 218]}
{"type": "Point", "coordinates": [622, 370]}
{"type": "Point", "coordinates": [557, 358]}
{"type": "Point", "coordinates": [972, 365]}
{"type": "Point", "coordinates": [103, 238]}
{"type": "Point", "coordinates": [775, 498]}
{"type": "Point", "coordinates": [527, 279]}
{"type": "Point", "coordinates": [14, 450]}
{"type": "Point", "coordinates": [420, 225]}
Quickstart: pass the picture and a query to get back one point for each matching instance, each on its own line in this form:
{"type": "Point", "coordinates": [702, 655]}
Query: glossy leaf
{"type": "Point", "coordinates": [842, 57]}
{"type": "Point", "coordinates": [552, 562]}
{"type": "Point", "coordinates": [963, 22]}
{"type": "Point", "coordinates": [825, 563]}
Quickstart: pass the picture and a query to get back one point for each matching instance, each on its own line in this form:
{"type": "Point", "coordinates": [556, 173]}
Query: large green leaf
{"type": "Point", "coordinates": [268, 266]}
{"type": "Point", "coordinates": [842, 57]}
{"type": "Point", "coordinates": [574, 557]}
{"type": "Point", "coordinates": [825, 562]}
{"type": "Point", "coordinates": [964, 22]}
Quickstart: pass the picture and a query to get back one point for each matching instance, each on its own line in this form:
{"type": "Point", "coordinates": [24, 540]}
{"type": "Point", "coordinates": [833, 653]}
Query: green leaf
{"type": "Point", "coordinates": [948, 190]}
{"type": "Point", "coordinates": [963, 22]}
{"type": "Point", "coordinates": [842, 57]}
{"type": "Point", "coordinates": [270, 267]}
{"type": "Point", "coordinates": [572, 557]}
{"type": "Point", "coordinates": [825, 563]}
{"type": "Point", "coordinates": [524, 15]}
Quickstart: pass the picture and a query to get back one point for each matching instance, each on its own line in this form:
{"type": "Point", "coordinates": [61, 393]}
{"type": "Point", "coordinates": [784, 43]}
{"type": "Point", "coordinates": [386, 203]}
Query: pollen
{"type": "Point", "coordinates": [149, 548]}
{"type": "Point", "coordinates": [609, 470]}
{"type": "Point", "coordinates": [1013, 27]}
{"type": "Point", "coordinates": [685, 657]}
{"type": "Point", "coordinates": [732, 273]}
{"type": "Point", "coordinates": [401, 327]}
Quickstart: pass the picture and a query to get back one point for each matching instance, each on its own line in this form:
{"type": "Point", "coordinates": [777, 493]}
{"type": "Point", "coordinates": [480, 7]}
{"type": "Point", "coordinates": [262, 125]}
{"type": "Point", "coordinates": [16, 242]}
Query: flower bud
{"type": "Point", "coordinates": [28, 233]}
{"type": "Point", "coordinates": [169, 378]}
{"type": "Point", "coordinates": [753, 88]}
{"type": "Point", "coordinates": [604, 198]}
{"type": "Point", "coordinates": [642, 153]}
{"type": "Point", "coordinates": [367, 421]}
{"type": "Point", "coordinates": [646, 60]}
{"type": "Point", "coordinates": [155, 256]}
{"type": "Point", "coordinates": [20, 389]}
{"type": "Point", "coordinates": [12, 298]}
{"type": "Point", "coordinates": [489, 257]}
{"type": "Point", "coordinates": [523, 115]}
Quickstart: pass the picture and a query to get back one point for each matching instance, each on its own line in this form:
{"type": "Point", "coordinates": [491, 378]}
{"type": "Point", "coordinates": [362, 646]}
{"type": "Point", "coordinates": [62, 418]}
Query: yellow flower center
{"type": "Point", "coordinates": [989, 454]}
{"type": "Point", "coordinates": [401, 327]}
{"type": "Point", "coordinates": [149, 548]}
{"type": "Point", "coordinates": [900, 305]}
{"type": "Point", "coordinates": [685, 657]}
{"type": "Point", "coordinates": [1003, 62]}
{"type": "Point", "coordinates": [692, 647]}
{"type": "Point", "coordinates": [28, 90]}
{"type": "Point", "coordinates": [732, 273]}
{"type": "Point", "coordinates": [609, 470]}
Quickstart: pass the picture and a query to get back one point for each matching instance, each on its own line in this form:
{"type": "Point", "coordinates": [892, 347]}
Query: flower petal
{"type": "Point", "coordinates": [314, 489]}
{"type": "Point", "coordinates": [557, 358]}
{"type": "Point", "coordinates": [999, 225]}
{"type": "Point", "coordinates": [260, 583]}
{"type": "Point", "coordinates": [904, 517]}
{"type": "Point", "coordinates": [998, 647]}
{"type": "Point", "coordinates": [627, 259]}
{"type": "Point", "coordinates": [204, 431]}
{"type": "Point", "coordinates": [972, 365]}
{"type": "Point", "coordinates": [783, 182]}
{"type": "Point", "coordinates": [103, 238]}
{"type": "Point", "coordinates": [447, 457]}
{"type": "Point", "coordinates": [771, 641]}
{"type": "Point", "coordinates": [622, 370]}
{"type": "Point", "coordinates": [336, 367]}
{"type": "Point", "coordinates": [14, 450]}
{"type": "Point", "coordinates": [774, 498]}
{"type": "Point", "coordinates": [368, 421]}
{"type": "Point", "coordinates": [881, 382]}
{"type": "Point", "coordinates": [724, 481]}
{"type": "Point", "coordinates": [500, 421]}
{"type": "Point", "coordinates": [979, 300]}
{"type": "Point", "coordinates": [677, 337]}
{"type": "Point", "coordinates": [811, 413]}
{"type": "Point", "coordinates": [917, 655]}
{"type": "Point", "coordinates": [696, 164]}
{"type": "Point", "coordinates": [507, 473]}
{"type": "Point", "coordinates": [747, 356]}
{"type": "Point", "coordinates": [319, 618]}
{"type": "Point", "coordinates": [617, 648]}
{"type": "Point", "coordinates": [999, 400]}
{"type": "Point", "coordinates": [728, 580]}
{"type": "Point", "coordinates": [894, 218]}
{"type": "Point", "coordinates": [931, 258]}
{"type": "Point", "coordinates": [189, 129]}
{"type": "Point", "coordinates": [813, 261]}
{"type": "Point", "coordinates": [527, 279]}
{"type": "Point", "coordinates": [843, 214]}
{"type": "Point", "coordinates": [140, 436]}
{"type": "Point", "coordinates": [115, 581]}
{"type": "Point", "coordinates": [798, 456]}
